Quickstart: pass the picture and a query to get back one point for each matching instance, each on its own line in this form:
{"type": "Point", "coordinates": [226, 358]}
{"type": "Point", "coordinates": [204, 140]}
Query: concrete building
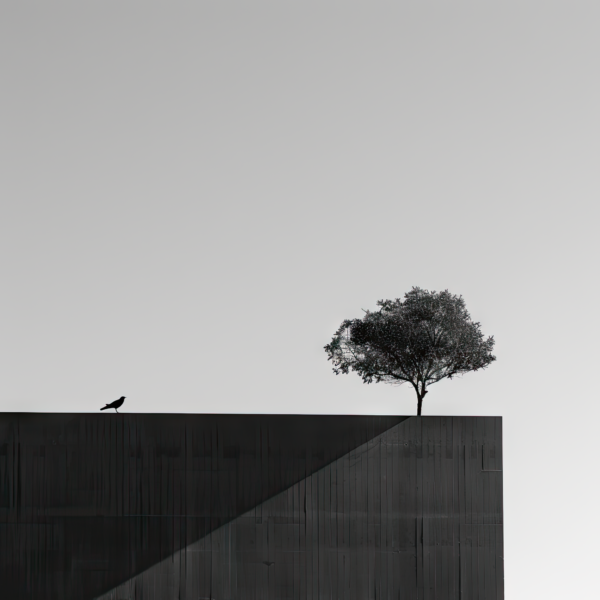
{"type": "Point", "coordinates": [234, 507]}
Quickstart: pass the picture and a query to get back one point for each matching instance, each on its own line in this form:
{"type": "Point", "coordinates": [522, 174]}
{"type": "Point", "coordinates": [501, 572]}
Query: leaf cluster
{"type": "Point", "coordinates": [422, 339]}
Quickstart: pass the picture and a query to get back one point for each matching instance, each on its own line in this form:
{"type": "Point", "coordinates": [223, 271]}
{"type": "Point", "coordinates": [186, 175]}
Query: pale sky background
{"type": "Point", "coordinates": [195, 195]}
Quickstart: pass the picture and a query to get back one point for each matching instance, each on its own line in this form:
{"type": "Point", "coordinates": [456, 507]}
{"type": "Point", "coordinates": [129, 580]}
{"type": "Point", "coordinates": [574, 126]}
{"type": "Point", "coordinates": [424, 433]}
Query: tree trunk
{"type": "Point", "coordinates": [420, 402]}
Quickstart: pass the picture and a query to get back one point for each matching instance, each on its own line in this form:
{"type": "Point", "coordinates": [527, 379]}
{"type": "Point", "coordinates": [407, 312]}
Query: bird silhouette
{"type": "Point", "coordinates": [115, 404]}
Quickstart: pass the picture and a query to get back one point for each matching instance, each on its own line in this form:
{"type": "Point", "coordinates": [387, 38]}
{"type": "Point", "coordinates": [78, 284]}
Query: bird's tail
{"type": "Point", "coordinates": [107, 406]}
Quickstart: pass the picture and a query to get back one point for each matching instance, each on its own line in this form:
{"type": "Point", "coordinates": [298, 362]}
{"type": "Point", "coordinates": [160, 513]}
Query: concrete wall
{"type": "Point", "coordinates": [250, 506]}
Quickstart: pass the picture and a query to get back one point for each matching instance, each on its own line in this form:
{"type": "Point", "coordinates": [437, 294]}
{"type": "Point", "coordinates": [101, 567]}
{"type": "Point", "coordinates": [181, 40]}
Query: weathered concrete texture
{"type": "Point", "coordinates": [415, 512]}
{"type": "Point", "coordinates": [259, 507]}
{"type": "Point", "coordinates": [88, 501]}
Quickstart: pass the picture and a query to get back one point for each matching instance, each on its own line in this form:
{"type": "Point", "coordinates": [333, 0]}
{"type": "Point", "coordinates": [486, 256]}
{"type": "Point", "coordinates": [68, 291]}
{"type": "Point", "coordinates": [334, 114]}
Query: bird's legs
{"type": "Point", "coordinates": [116, 411]}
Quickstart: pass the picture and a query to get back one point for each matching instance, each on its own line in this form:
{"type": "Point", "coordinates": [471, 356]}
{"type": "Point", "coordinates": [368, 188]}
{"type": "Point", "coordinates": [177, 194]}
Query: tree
{"type": "Point", "coordinates": [425, 338]}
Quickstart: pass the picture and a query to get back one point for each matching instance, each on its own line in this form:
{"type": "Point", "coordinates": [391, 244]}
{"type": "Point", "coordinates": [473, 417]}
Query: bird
{"type": "Point", "coordinates": [115, 404]}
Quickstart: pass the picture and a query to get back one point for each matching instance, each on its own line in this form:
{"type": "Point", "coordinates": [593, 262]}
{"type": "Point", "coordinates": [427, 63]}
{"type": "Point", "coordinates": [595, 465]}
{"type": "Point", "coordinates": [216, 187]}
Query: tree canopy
{"type": "Point", "coordinates": [421, 340]}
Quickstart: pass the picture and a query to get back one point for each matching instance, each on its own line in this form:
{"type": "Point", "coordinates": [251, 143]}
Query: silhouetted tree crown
{"type": "Point", "coordinates": [422, 339]}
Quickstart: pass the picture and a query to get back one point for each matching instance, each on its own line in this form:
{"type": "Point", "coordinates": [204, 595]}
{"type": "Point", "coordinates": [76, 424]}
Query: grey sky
{"type": "Point", "coordinates": [195, 195]}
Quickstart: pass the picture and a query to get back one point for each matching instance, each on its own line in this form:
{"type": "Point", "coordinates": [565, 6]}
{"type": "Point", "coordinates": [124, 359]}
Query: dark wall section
{"type": "Point", "coordinates": [88, 501]}
{"type": "Point", "coordinates": [413, 514]}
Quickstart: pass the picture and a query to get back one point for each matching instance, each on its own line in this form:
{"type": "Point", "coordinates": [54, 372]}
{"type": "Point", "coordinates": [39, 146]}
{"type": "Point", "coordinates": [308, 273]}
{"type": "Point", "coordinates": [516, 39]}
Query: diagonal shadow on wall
{"type": "Point", "coordinates": [415, 512]}
{"type": "Point", "coordinates": [89, 501]}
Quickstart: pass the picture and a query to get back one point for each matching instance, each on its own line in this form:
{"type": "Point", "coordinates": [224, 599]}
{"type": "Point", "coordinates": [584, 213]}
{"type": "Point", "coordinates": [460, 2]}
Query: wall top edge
{"type": "Point", "coordinates": [129, 414]}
